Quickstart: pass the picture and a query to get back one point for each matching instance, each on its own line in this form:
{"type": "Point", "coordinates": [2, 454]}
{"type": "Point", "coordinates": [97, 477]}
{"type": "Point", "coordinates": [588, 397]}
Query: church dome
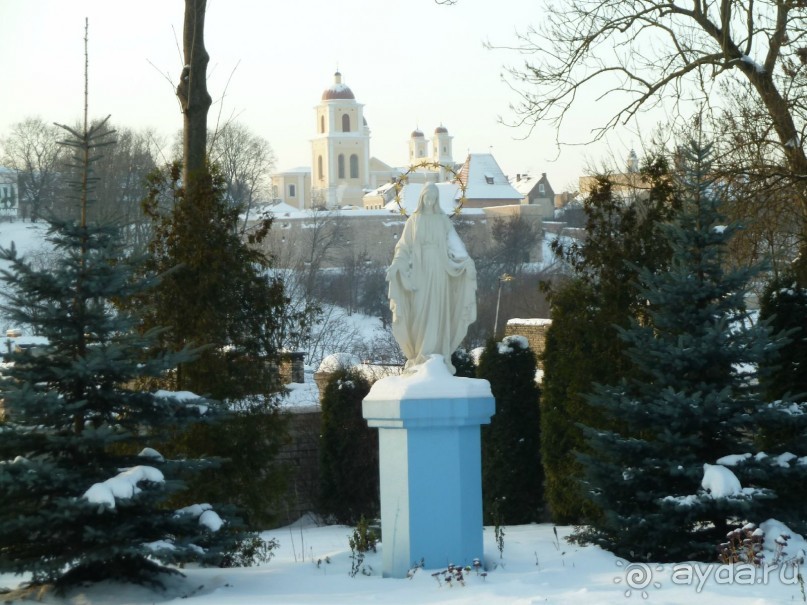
{"type": "Point", "coordinates": [416, 134]}
{"type": "Point", "coordinates": [441, 130]}
{"type": "Point", "coordinates": [337, 90]}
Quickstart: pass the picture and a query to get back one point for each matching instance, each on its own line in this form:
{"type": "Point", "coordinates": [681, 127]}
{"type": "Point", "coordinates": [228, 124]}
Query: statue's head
{"type": "Point", "coordinates": [429, 201]}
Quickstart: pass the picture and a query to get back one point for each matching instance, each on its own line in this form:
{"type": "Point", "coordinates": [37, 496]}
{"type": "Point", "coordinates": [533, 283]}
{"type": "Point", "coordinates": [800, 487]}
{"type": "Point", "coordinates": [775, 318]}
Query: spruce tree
{"type": "Point", "coordinates": [582, 346]}
{"type": "Point", "coordinates": [689, 401]}
{"type": "Point", "coordinates": [349, 486]}
{"type": "Point", "coordinates": [463, 364]}
{"type": "Point", "coordinates": [217, 293]}
{"type": "Point", "coordinates": [573, 359]}
{"type": "Point", "coordinates": [784, 306]}
{"type": "Point", "coordinates": [512, 477]}
{"type": "Point", "coordinates": [782, 432]}
{"type": "Point", "coordinates": [84, 494]}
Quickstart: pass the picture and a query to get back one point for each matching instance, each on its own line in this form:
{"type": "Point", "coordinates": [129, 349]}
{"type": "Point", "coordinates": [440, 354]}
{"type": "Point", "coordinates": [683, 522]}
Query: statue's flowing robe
{"type": "Point", "coordinates": [432, 287]}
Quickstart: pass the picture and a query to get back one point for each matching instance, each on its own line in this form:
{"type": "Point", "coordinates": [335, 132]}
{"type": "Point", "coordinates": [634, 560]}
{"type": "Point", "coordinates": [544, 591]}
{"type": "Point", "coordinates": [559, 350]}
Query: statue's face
{"type": "Point", "coordinates": [430, 197]}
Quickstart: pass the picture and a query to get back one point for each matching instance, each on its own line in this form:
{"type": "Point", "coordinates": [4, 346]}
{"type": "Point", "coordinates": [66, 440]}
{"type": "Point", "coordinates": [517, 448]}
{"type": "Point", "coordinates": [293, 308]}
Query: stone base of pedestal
{"type": "Point", "coordinates": [431, 475]}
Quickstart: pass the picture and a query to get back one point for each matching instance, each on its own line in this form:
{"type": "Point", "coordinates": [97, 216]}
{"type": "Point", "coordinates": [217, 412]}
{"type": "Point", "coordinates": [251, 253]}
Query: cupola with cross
{"type": "Point", "coordinates": [341, 148]}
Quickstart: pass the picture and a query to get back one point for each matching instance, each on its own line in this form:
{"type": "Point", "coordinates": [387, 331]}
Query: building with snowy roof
{"type": "Point", "coordinates": [344, 173]}
{"type": "Point", "coordinates": [342, 168]}
{"type": "Point", "coordinates": [536, 192]}
{"type": "Point", "coordinates": [293, 186]}
{"type": "Point", "coordinates": [485, 183]}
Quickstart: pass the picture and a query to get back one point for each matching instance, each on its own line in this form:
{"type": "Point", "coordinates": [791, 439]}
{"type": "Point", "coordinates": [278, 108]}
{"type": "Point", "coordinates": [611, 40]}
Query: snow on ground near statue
{"type": "Point", "coordinates": [536, 568]}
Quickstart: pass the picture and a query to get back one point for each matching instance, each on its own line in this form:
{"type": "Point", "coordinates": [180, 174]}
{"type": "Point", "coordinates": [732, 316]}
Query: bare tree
{"type": "Point", "coordinates": [757, 194]}
{"type": "Point", "coordinates": [651, 52]}
{"type": "Point", "coordinates": [122, 173]}
{"type": "Point", "coordinates": [32, 150]}
{"type": "Point", "coordinates": [514, 241]}
{"type": "Point", "coordinates": [246, 160]}
{"type": "Point", "coordinates": [324, 236]}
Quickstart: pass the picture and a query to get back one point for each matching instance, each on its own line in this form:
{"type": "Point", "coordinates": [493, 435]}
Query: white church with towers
{"type": "Point", "coordinates": [342, 169]}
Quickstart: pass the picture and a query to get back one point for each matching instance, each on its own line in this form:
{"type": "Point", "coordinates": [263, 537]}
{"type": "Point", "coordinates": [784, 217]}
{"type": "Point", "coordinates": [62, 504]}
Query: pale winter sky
{"type": "Point", "coordinates": [412, 63]}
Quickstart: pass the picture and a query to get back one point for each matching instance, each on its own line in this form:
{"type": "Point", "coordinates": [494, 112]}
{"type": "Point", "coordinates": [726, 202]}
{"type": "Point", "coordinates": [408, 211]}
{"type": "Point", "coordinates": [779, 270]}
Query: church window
{"type": "Point", "coordinates": [354, 166]}
{"type": "Point", "coordinates": [341, 165]}
{"type": "Point", "coordinates": [322, 123]}
{"type": "Point", "coordinates": [541, 188]}
{"type": "Point", "coordinates": [291, 190]}
{"type": "Point", "coordinates": [345, 123]}
{"type": "Point", "coordinates": [319, 167]}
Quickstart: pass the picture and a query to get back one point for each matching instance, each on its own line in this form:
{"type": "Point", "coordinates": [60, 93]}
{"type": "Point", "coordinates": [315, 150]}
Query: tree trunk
{"type": "Point", "coordinates": [192, 91]}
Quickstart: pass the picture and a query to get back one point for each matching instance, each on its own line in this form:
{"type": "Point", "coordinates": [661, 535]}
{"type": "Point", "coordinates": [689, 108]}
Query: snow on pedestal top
{"type": "Point", "coordinates": [430, 380]}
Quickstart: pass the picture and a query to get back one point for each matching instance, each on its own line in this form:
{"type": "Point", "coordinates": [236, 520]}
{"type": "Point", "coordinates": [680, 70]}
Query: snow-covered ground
{"type": "Point", "coordinates": [26, 236]}
{"type": "Point", "coordinates": [312, 566]}
{"type": "Point", "coordinates": [29, 240]}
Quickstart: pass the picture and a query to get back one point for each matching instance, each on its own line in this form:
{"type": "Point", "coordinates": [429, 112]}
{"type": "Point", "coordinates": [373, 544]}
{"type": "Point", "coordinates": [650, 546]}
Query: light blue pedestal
{"type": "Point", "coordinates": [431, 479]}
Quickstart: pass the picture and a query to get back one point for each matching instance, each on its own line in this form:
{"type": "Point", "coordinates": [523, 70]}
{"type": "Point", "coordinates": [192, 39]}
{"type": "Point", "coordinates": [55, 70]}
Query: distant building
{"type": "Point", "coordinates": [536, 192]}
{"type": "Point", "coordinates": [344, 174]}
{"type": "Point", "coordinates": [340, 151]}
{"type": "Point", "coordinates": [485, 183]}
{"type": "Point", "coordinates": [629, 185]}
{"type": "Point", "coordinates": [9, 194]}
{"type": "Point", "coordinates": [441, 153]}
{"type": "Point", "coordinates": [294, 186]}
{"type": "Point", "coordinates": [342, 168]}
{"type": "Point", "coordinates": [378, 198]}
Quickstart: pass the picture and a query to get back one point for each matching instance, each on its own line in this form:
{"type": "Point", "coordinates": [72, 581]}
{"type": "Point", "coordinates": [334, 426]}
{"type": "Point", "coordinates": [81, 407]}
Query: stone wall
{"type": "Point", "coordinates": [300, 457]}
{"type": "Point", "coordinates": [292, 367]}
{"type": "Point", "coordinates": [534, 330]}
{"type": "Point", "coordinates": [331, 237]}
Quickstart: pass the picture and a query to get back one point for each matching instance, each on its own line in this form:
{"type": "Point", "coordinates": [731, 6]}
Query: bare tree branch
{"type": "Point", "coordinates": [742, 62]}
{"type": "Point", "coordinates": [651, 52]}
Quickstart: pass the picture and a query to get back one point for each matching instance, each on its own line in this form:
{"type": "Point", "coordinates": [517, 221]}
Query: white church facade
{"type": "Point", "coordinates": [344, 174]}
{"type": "Point", "coordinates": [342, 168]}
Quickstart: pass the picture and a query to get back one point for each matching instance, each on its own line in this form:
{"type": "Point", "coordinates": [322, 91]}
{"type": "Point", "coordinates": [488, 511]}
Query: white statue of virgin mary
{"type": "Point", "coordinates": [432, 285]}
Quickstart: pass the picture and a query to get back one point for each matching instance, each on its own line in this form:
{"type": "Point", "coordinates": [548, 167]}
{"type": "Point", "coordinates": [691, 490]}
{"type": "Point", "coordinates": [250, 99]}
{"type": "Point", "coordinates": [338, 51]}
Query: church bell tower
{"type": "Point", "coordinates": [340, 167]}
